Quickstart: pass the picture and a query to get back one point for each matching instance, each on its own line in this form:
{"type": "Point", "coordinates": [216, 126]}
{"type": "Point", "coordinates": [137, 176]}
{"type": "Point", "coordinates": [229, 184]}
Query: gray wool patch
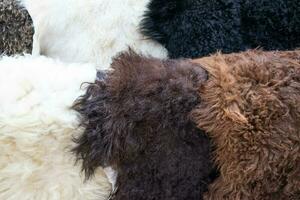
{"type": "Point", "coordinates": [16, 28]}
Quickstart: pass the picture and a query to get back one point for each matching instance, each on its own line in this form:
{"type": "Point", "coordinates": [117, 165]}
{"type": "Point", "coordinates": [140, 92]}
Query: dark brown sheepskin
{"type": "Point", "coordinates": [136, 120]}
{"type": "Point", "coordinates": [16, 28]}
{"type": "Point", "coordinates": [250, 107]}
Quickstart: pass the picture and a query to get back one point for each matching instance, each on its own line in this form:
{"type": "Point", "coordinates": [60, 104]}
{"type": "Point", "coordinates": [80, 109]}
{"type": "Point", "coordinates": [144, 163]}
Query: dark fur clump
{"type": "Point", "coordinates": [194, 28]}
{"type": "Point", "coordinates": [271, 24]}
{"type": "Point", "coordinates": [250, 109]}
{"type": "Point", "coordinates": [16, 28]}
{"type": "Point", "coordinates": [136, 120]}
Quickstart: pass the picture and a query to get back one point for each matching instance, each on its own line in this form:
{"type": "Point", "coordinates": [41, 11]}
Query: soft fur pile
{"type": "Point", "coordinates": [194, 28]}
{"type": "Point", "coordinates": [36, 127]}
{"type": "Point", "coordinates": [89, 30]}
{"type": "Point", "coordinates": [250, 109]}
{"type": "Point", "coordinates": [73, 31]}
{"type": "Point", "coordinates": [16, 29]}
{"type": "Point", "coordinates": [136, 120]}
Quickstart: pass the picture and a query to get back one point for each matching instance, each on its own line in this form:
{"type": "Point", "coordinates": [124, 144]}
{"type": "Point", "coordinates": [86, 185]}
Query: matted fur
{"type": "Point", "coordinates": [250, 109]}
{"type": "Point", "coordinates": [89, 30]}
{"type": "Point", "coordinates": [36, 127]}
{"type": "Point", "coordinates": [193, 28]}
{"type": "Point", "coordinates": [136, 120]}
{"type": "Point", "coordinates": [16, 28]}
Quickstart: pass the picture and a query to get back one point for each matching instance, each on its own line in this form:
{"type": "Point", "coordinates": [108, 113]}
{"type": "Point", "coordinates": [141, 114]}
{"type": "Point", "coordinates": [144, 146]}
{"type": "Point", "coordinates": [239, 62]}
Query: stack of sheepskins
{"type": "Point", "coordinates": [141, 120]}
{"type": "Point", "coordinates": [36, 122]}
{"type": "Point", "coordinates": [150, 128]}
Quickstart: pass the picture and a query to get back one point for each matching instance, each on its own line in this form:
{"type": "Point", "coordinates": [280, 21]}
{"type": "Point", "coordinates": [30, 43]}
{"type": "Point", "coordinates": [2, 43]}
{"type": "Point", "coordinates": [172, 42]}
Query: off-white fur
{"type": "Point", "coordinates": [111, 175]}
{"type": "Point", "coordinates": [36, 127]}
{"type": "Point", "coordinates": [89, 30]}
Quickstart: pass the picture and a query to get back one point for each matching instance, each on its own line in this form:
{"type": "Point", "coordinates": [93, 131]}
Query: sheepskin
{"type": "Point", "coordinates": [89, 30]}
{"type": "Point", "coordinates": [195, 28]}
{"type": "Point", "coordinates": [72, 31]}
{"type": "Point", "coordinates": [16, 29]}
{"type": "Point", "coordinates": [136, 120]}
{"type": "Point", "coordinates": [36, 127]}
{"type": "Point", "coordinates": [250, 109]}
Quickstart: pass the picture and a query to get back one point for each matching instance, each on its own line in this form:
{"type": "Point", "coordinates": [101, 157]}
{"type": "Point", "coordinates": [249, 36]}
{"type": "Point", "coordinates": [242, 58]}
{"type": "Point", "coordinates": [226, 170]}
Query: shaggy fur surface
{"type": "Point", "coordinates": [36, 127]}
{"type": "Point", "coordinates": [16, 29]}
{"type": "Point", "coordinates": [136, 120]}
{"type": "Point", "coordinates": [193, 28]}
{"type": "Point", "coordinates": [89, 30]}
{"type": "Point", "coordinates": [250, 108]}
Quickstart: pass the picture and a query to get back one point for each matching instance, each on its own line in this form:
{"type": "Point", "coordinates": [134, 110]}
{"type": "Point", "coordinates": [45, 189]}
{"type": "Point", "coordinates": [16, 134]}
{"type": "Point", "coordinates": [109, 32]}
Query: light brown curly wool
{"type": "Point", "coordinates": [251, 109]}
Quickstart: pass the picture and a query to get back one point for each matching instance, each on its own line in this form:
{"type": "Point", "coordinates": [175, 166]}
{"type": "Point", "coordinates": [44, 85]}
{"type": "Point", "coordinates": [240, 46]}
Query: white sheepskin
{"type": "Point", "coordinates": [89, 30]}
{"type": "Point", "coordinates": [36, 124]}
{"type": "Point", "coordinates": [36, 127]}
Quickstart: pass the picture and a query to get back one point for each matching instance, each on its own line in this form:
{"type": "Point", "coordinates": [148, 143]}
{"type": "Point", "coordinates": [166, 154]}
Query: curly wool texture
{"type": "Point", "coordinates": [16, 28]}
{"type": "Point", "coordinates": [36, 128]}
{"type": "Point", "coordinates": [195, 28]}
{"type": "Point", "coordinates": [250, 109]}
{"type": "Point", "coordinates": [89, 30]}
{"type": "Point", "coordinates": [136, 120]}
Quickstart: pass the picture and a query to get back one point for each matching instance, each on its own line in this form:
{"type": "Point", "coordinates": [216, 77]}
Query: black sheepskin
{"type": "Point", "coordinates": [195, 28]}
{"type": "Point", "coordinates": [16, 28]}
{"type": "Point", "coordinates": [136, 119]}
